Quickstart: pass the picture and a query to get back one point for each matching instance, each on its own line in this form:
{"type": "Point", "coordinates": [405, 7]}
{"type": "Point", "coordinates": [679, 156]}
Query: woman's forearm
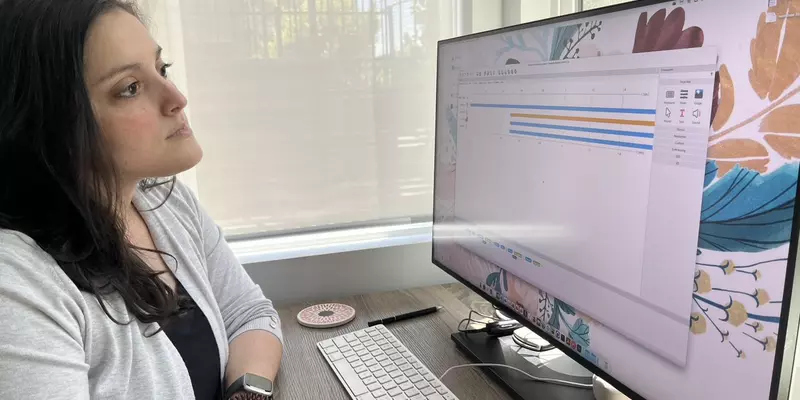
{"type": "Point", "coordinates": [256, 352]}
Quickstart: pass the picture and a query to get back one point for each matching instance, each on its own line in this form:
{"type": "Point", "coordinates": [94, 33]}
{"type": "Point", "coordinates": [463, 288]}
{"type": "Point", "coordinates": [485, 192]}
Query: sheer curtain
{"type": "Point", "coordinates": [590, 4]}
{"type": "Point", "coordinates": [313, 114]}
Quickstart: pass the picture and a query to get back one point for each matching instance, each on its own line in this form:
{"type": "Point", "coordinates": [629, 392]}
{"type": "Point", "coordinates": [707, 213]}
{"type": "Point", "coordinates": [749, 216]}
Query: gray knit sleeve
{"type": "Point", "coordinates": [41, 326]}
{"type": "Point", "coordinates": [242, 303]}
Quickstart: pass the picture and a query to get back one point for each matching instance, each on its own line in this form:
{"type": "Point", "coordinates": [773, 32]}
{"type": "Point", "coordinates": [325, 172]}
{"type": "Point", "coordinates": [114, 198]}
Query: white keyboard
{"type": "Point", "coordinates": [373, 365]}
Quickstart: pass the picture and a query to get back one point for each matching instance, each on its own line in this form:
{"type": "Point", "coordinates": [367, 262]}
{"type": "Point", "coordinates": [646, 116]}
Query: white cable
{"type": "Point", "coordinates": [545, 380]}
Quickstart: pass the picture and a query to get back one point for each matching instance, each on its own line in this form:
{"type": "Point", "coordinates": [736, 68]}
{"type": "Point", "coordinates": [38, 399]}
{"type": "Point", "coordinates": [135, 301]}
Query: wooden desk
{"type": "Point", "coordinates": [305, 375]}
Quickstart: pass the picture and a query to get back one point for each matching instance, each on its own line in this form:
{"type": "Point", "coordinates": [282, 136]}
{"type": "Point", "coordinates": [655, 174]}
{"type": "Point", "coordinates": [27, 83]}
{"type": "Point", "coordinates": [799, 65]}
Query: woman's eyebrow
{"type": "Point", "coordinates": [127, 67]}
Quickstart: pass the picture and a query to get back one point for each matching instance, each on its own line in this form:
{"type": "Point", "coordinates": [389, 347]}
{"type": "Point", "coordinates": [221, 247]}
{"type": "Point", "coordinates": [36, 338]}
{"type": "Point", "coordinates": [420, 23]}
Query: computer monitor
{"type": "Point", "coordinates": [623, 181]}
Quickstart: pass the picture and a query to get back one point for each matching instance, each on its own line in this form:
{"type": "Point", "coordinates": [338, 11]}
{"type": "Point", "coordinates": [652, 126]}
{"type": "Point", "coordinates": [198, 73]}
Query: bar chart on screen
{"type": "Point", "coordinates": [610, 113]}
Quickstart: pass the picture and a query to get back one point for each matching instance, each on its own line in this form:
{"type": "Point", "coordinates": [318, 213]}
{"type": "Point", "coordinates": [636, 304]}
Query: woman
{"type": "Point", "coordinates": [112, 285]}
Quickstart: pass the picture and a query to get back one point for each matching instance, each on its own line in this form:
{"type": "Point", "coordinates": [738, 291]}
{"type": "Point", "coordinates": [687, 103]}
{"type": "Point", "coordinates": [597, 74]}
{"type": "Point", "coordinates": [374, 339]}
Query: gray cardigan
{"type": "Point", "coordinates": [57, 343]}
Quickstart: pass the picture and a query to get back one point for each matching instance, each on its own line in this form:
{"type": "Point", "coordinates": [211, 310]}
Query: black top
{"type": "Point", "coordinates": [191, 334]}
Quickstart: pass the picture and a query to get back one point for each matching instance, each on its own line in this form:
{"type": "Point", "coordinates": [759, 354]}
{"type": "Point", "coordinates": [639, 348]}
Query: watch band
{"type": "Point", "coordinates": [257, 387]}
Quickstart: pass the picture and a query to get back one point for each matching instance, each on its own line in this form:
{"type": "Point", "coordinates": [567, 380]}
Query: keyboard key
{"type": "Point", "coordinates": [379, 393]}
{"type": "Point", "coordinates": [389, 385]}
{"type": "Point", "coordinates": [391, 368]}
{"type": "Point", "coordinates": [395, 374]}
{"type": "Point", "coordinates": [395, 357]}
{"type": "Point", "coordinates": [369, 363]}
{"type": "Point", "coordinates": [367, 358]}
{"type": "Point", "coordinates": [422, 384]}
{"type": "Point", "coordinates": [375, 386]}
{"type": "Point", "coordinates": [326, 343]}
{"type": "Point", "coordinates": [380, 373]}
{"type": "Point", "coordinates": [401, 361]}
{"type": "Point", "coordinates": [357, 363]}
{"type": "Point", "coordinates": [437, 384]}
{"type": "Point", "coordinates": [331, 350]}
{"type": "Point", "coordinates": [429, 377]}
{"type": "Point", "coordinates": [435, 396]}
{"type": "Point", "coordinates": [441, 389]}
{"type": "Point", "coordinates": [382, 357]}
{"type": "Point", "coordinates": [359, 369]}
{"type": "Point", "coordinates": [381, 342]}
{"type": "Point", "coordinates": [370, 380]}
{"type": "Point", "coordinates": [340, 342]}
{"type": "Point", "coordinates": [417, 397]}
{"type": "Point", "coordinates": [416, 364]}
{"type": "Point", "coordinates": [395, 392]}
{"type": "Point", "coordinates": [358, 348]}
{"type": "Point", "coordinates": [373, 348]}
{"type": "Point", "coordinates": [364, 375]}
{"type": "Point", "coordinates": [336, 356]}
{"type": "Point", "coordinates": [360, 334]}
{"type": "Point", "coordinates": [412, 392]}
{"type": "Point", "coordinates": [362, 353]}
{"type": "Point", "coordinates": [400, 396]}
{"type": "Point", "coordinates": [400, 380]}
{"type": "Point", "coordinates": [385, 379]}
{"type": "Point", "coordinates": [449, 396]}
{"type": "Point", "coordinates": [391, 352]}
{"type": "Point", "coordinates": [406, 367]}
{"type": "Point", "coordinates": [350, 377]}
{"type": "Point", "coordinates": [350, 338]}
{"type": "Point", "coordinates": [352, 358]}
{"type": "Point", "coordinates": [367, 396]}
{"type": "Point", "coordinates": [387, 347]}
{"type": "Point", "coordinates": [406, 386]}
{"type": "Point", "coordinates": [349, 353]}
{"type": "Point", "coordinates": [416, 378]}
{"type": "Point", "coordinates": [386, 363]}
{"type": "Point", "coordinates": [370, 329]}
{"type": "Point", "coordinates": [412, 373]}
{"type": "Point", "coordinates": [427, 391]}
{"type": "Point", "coordinates": [375, 368]}
{"type": "Point", "coordinates": [375, 335]}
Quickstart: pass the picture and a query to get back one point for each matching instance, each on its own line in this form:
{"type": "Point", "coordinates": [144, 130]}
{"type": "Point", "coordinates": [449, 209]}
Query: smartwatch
{"type": "Point", "coordinates": [251, 384]}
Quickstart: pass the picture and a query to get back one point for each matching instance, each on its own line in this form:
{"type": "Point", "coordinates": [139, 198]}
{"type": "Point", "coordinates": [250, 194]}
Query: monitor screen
{"type": "Point", "coordinates": [626, 180]}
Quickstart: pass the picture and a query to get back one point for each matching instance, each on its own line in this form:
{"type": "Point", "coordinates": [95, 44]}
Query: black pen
{"type": "Point", "coordinates": [401, 317]}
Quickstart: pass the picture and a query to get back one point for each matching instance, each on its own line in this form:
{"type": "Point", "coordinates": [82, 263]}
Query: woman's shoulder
{"type": "Point", "coordinates": [32, 283]}
{"type": "Point", "coordinates": [170, 197]}
{"type": "Point", "coordinates": [23, 262]}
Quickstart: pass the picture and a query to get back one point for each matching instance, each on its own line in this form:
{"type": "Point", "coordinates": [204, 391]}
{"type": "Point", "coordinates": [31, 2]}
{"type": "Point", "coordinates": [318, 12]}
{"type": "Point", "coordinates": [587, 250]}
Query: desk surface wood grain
{"type": "Point", "coordinates": [305, 375]}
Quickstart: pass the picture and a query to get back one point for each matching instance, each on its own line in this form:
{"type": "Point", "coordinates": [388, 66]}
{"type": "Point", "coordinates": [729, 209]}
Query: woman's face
{"type": "Point", "coordinates": [140, 112]}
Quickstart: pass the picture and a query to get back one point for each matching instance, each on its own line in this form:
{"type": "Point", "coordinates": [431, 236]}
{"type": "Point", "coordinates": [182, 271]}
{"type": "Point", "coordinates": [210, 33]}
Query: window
{"type": "Point", "coordinates": [313, 114]}
{"type": "Point", "coordinates": [590, 4]}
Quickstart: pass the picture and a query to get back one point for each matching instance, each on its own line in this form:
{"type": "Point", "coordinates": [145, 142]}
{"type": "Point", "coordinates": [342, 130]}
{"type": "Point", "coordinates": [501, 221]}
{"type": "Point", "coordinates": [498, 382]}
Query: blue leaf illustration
{"type": "Point", "coordinates": [493, 280]}
{"type": "Point", "coordinates": [517, 41]}
{"type": "Point", "coordinates": [561, 39]}
{"type": "Point", "coordinates": [749, 212]}
{"type": "Point", "coordinates": [580, 333]}
{"type": "Point", "coordinates": [555, 319]}
{"type": "Point", "coordinates": [711, 172]}
{"type": "Point", "coordinates": [558, 304]}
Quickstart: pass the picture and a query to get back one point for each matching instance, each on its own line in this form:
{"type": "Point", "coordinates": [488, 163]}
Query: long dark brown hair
{"type": "Point", "coordinates": [58, 183]}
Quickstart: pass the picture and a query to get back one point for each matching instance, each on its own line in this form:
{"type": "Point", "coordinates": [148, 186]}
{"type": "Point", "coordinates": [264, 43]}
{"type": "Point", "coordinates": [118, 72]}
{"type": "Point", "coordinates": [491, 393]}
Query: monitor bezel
{"type": "Point", "coordinates": [790, 311]}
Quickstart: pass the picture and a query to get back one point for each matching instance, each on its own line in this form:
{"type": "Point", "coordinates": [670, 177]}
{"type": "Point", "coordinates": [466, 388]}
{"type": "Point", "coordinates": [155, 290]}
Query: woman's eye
{"type": "Point", "coordinates": [164, 70]}
{"type": "Point", "coordinates": [130, 90]}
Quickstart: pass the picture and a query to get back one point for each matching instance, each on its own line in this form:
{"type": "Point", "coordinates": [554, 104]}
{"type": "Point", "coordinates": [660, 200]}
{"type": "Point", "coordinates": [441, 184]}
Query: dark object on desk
{"type": "Point", "coordinates": [482, 348]}
{"type": "Point", "coordinates": [405, 316]}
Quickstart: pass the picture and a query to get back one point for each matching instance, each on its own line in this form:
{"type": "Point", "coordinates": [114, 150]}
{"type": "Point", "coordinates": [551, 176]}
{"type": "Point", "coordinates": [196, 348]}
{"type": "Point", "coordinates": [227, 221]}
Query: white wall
{"type": "Point", "coordinates": [330, 276]}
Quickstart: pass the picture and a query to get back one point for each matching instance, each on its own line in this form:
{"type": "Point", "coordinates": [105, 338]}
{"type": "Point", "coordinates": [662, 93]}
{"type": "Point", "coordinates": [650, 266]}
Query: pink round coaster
{"type": "Point", "coordinates": [326, 315]}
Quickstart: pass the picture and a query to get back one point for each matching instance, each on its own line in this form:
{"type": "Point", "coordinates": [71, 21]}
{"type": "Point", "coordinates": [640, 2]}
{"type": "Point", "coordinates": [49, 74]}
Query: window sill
{"type": "Point", "coordinates": [252, 251]}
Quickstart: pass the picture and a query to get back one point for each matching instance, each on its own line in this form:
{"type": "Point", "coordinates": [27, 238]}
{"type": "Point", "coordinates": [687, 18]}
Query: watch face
{"type": "Point", "coordinates": [257, 384]}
